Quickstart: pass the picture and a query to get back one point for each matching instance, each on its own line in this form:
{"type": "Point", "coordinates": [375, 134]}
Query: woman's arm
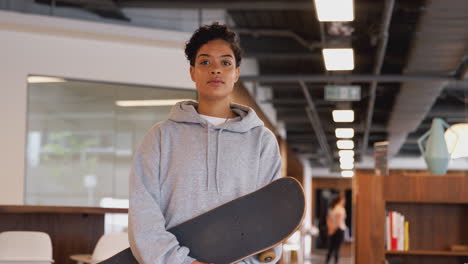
{"type": "Point", "coordinates": [149, 240]}
{"type": "Point", "coordinates": [270, 159]}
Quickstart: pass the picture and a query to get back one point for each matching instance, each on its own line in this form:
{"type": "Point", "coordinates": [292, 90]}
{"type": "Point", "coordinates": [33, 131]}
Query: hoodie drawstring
{"type": "Point", "coordinates": [218, 147]}
{"type": "Point", "coordinates": [207, 158]}
{"type": "Point", "coordinates": [217, 158]}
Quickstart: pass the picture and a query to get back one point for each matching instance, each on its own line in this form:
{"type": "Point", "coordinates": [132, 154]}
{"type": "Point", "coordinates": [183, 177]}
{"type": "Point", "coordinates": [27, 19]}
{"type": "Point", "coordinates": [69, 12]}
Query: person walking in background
{"type": "Point", "coordinates": [336, 227]}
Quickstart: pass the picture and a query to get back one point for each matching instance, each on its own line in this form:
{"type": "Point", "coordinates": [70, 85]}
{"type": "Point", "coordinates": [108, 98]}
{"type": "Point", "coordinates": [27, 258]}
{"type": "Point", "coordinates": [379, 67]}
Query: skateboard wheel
{"type": "Point", "coordinates": [267, 256]}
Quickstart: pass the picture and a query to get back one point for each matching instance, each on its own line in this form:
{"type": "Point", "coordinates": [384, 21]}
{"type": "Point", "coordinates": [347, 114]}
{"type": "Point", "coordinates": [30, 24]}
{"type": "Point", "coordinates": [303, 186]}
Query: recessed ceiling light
{"type": "Point", "coordinates": [347, 173]}
{"type": "Point", "coordinates": [133, 103]}
{"type": "Point", "coordinates": [346, 153]}
{"type": "Point", "coordinates": [347, 166]}
{"type": "Point", "coordinates": [345, 144]}
{"type": "Point", "coordinates": [343, 115]}
{"type": "Point", "coordinates": [344, 132]}
{"type": "Point", "coordinates": [347, 160]}
{"type": "Point", "coordinates": [334, 10]}
{"type": "Point", "coordinates": [338, 59]}
{"type": "Point", "coordinates": [44, 79]}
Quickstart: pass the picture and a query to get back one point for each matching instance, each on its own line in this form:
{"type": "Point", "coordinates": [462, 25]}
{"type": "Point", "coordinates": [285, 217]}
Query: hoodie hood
{"type": "Point", "coordinates": [247, 119]}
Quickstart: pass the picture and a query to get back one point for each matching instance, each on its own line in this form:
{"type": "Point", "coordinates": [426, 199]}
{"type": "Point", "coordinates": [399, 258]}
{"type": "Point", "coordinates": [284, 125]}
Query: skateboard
{"type": "Point", "coordinates": [249, 225]}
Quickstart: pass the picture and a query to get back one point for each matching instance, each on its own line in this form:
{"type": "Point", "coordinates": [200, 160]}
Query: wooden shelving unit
{"type": "Point", "coordinates": [435, 206]}
{"type": "Point", "coordinates": [426, 253]}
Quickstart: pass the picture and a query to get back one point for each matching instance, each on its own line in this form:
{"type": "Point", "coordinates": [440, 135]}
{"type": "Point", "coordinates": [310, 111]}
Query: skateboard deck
{"type": "Point", "coordinates": [240, 228]}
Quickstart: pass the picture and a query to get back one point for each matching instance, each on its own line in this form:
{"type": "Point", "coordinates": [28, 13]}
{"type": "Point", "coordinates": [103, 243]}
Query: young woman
{"type": "Point", "coordinates": [205, 154]}
{"type": "Point", "coordinates": [336, 227]}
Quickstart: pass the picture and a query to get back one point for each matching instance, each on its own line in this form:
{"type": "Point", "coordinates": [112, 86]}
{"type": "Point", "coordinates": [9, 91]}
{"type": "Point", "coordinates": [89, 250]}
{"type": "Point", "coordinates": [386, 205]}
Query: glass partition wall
{"type": "Point", "coordinates": [80, 140]}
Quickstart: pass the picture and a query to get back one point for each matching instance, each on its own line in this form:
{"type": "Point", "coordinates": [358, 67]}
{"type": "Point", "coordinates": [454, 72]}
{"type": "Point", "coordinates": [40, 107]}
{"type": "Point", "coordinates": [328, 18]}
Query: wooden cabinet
{"type": "Point", "coordinates": [435, 206]}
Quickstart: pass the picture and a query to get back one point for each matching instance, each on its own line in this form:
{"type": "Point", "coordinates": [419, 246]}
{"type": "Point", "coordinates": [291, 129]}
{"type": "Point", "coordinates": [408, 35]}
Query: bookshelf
{"type": "Point", "coordinates": [435, 206]}
{"type": "Point", "coordinates": [426, 253]}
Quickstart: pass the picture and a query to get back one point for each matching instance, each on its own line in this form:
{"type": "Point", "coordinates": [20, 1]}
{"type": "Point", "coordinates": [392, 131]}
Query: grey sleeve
{"type": "Point", "coordinates": [270, 159]}
{"type": "Point", "coordinates": [149, 240]}
{"type": "Point", "coordinates": [270, 170]}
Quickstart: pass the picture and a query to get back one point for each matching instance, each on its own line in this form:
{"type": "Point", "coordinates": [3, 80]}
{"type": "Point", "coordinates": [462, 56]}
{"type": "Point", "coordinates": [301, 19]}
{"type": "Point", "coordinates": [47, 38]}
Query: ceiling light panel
{"type": "Point", "coordinates": [338, 59]}
{"type": "Point", "coordinates": [44, 79]}
{"type": "Point", "coordinates": [347, 166]}
{"type": "Point", "coordinates": [344, 133]}
{"type": "Point", "coordinates": [345, 144]}
{"type": "Point", "coordinates": [334, 10]}
{"type": "Point", "coordinates": [346, 153]}
{"type": "Point", "coordinates": [340, 116]}
{"type": "Point", "coordinates": [344, 160]}
{"type": "Point", "coordinates": [347, 173]}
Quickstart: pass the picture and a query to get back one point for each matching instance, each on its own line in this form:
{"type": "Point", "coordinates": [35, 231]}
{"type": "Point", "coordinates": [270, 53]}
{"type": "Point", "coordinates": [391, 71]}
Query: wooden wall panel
{"type": "Point", "coordinates": [283, 146]}
{"type": "Point", "coordinates": [73, 230]}
{"type": "Point", "coordinates": [295, 168]}
{"type": "Point", "coordinates": [369, 216]}
{"type": "Point", "coordinates": [428, 188]}
{"type": "Point", "coordinates": [333, 183]}
{"type": "Point", "coordinates": [70, 233]}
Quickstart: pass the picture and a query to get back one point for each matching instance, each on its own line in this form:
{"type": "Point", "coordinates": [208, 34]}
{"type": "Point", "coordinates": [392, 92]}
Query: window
{"type": "Point", "coordinates": [80, 142]}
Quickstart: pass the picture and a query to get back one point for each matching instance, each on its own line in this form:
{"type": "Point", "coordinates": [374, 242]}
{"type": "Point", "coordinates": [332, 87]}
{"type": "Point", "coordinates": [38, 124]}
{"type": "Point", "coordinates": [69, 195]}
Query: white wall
{"type": "Point", "coordinates": [38, 45]}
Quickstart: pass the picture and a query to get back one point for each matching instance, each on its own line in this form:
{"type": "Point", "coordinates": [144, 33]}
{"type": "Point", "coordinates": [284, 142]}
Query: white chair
{"type": "Point", "coordinates": [25, 247]}
{"type": "Point", "coordinates": [107, 246]}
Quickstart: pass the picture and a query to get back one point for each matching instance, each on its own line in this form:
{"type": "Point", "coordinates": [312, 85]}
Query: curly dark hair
{"type": "Point", "coordinates": [212, 32]}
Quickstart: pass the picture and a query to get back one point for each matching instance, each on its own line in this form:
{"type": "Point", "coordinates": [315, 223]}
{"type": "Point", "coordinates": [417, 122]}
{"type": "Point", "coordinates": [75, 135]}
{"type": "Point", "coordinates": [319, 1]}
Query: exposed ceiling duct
{"type": "Point", "coordinates": [422, 68]}
{"type": "Point", "coordinates": [436, 49]}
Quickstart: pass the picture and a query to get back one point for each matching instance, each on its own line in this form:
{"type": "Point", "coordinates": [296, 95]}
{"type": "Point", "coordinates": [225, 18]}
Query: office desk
{"type": "Point", "coordinates": [73, 230]}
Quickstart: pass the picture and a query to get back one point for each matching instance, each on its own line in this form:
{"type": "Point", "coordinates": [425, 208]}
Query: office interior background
{"type": "Point", "coordinates": [353, 90]}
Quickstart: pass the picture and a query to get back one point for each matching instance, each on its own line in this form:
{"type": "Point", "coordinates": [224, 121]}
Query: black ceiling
{"type": "Point", "coordinates": [286, 39]}
{"type": "Point", "coordinates": [288, 98]}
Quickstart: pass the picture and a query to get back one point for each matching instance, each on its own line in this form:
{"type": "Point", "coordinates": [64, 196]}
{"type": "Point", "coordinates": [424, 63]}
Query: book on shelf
{"type": "Point", "coordinates": [396, 231]}
{"type": "Point", "coordinates": [406, 237]}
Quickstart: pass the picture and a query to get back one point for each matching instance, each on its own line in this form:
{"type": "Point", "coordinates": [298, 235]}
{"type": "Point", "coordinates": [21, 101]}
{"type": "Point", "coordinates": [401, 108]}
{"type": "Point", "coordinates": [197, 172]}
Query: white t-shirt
{"type": "Point", "coordinates": [214, 120]}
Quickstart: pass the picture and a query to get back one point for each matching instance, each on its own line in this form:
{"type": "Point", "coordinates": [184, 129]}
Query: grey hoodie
{"type": "Point", "coordinates": [185, 166]}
